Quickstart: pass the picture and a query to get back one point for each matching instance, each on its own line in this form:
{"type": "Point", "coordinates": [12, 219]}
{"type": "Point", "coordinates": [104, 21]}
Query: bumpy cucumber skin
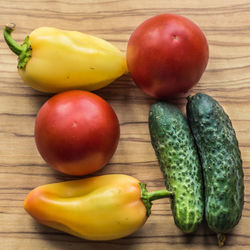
{"type": "Point", "coordinates": [178, 159]}
{"type": "Point", "coordinates": [221, 162]}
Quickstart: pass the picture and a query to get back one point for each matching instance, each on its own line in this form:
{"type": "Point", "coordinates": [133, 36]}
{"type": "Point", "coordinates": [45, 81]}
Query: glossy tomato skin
{"type": "Point", "coordinates": [76, 132]}
{"type": "Point", "coordinates": [167, 55]}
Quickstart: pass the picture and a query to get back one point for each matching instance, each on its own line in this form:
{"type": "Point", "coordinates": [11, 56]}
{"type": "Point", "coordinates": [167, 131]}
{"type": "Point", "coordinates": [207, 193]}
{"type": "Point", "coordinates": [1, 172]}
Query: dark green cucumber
{"type": "Point", "coordinates": [178, 159]}
{"type": "Point", "coordinates": [221, 162]}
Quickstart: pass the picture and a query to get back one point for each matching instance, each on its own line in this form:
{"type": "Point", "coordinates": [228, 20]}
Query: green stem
{"type": "Point", "coordinates": [22, 51]}
{"type": "Point", "coordinates": [148, 197]}
{"type": "Point", "coordinates": [13, 45]}
{"type": "Point", "coordinates": [159, 194]}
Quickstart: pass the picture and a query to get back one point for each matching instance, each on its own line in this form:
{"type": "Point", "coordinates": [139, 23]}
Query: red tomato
{"type": "Point", "coordinates": [167, 55]}
{"type": "Point", "coordinates": [76, 132]}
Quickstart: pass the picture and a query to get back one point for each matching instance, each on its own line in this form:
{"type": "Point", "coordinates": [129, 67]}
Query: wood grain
{"type": "Point", "coordinates": [227, 78]}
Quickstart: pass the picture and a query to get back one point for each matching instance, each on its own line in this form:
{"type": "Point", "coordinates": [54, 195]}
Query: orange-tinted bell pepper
{"type": "Point", "coordinates": [97, 208]}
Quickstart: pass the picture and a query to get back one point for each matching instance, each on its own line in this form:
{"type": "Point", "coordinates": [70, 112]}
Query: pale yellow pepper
{"type": "Point", "coordinates": [54, 60]}
{"type": "Point", "coordinates": [97, 208]}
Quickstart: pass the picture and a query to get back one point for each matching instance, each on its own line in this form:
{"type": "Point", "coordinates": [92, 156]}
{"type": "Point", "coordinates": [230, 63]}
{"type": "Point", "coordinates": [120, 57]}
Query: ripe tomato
{"type": "Point", "coordinates": [167, 55]}
{"type": "Point", "coordinates": [76, 132]}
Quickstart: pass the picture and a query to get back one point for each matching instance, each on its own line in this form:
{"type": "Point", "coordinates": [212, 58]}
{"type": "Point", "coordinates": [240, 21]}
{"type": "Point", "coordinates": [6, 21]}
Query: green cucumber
{"type": "Point", "coordinates": [221, 162]}
{"type": "Point", "coordinates": [178, 159]}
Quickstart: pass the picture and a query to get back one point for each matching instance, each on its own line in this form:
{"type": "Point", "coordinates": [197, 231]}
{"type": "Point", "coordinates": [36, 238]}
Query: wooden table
{"type": "Point", "coordinates": [227, 78]}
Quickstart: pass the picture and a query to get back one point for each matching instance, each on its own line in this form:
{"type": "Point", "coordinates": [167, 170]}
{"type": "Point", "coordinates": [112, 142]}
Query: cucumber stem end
{"type": "Point", "coordinates": [221, 239]}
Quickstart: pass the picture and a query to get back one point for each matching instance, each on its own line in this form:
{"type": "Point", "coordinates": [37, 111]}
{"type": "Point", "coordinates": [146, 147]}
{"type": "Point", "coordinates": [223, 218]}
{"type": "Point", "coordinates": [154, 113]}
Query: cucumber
{"type": "Point", "coordinates": [221, 162]}
{"type": "Point", "coordinates": [178, 159]}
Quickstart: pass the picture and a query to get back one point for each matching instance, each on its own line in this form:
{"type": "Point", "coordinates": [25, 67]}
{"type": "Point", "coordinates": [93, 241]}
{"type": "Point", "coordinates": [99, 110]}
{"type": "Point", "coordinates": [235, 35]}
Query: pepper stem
{"type": "Point", "coordinates": [148, 197]}
{"type": "Point", "coordinates": [23, 51]}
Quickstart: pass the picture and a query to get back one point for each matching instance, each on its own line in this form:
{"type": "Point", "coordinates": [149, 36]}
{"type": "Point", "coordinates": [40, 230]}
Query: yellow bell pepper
{"type": "Point", "coordinates": [96, 208]}
{"type": "Point", "coordinates": [53, 60]}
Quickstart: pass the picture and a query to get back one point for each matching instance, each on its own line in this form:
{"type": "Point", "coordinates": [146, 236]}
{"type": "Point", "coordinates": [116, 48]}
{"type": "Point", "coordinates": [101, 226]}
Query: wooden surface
{"type": "Point", "coordinates": [227, 78]}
